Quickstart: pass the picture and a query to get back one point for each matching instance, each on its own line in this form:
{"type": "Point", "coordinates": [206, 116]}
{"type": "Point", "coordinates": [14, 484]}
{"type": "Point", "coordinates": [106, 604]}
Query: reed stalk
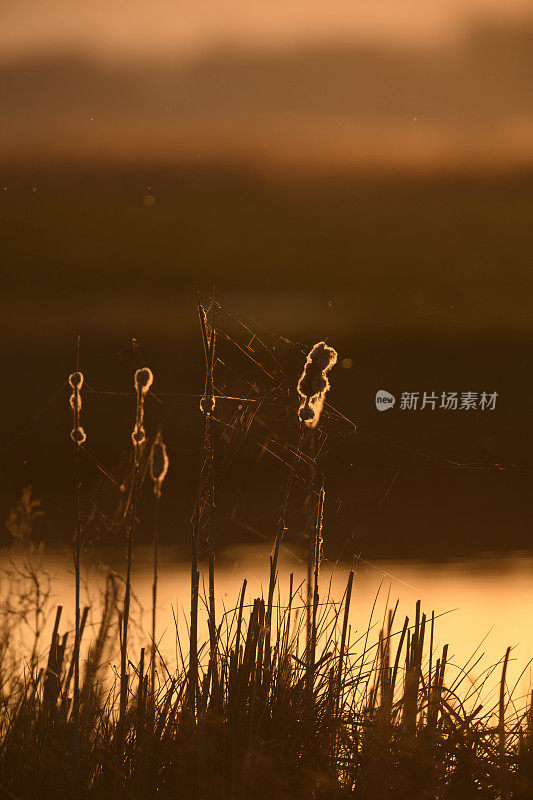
{"type": "Point", "coordinates": [317, 553]}
{"type": "Point", "coordinates": [158, 471]}
{"type": "Point", "coordinates": [207, 476]}
{"type": "Point", "coordinates": [342, 649]}
{"type": "Point", "coordinates": [142, 381]}
{"type": "Point", "coordinates": [275, 554]}
{"type": "Point", "coordinates": [154, 597]}
{"type": "Point", "coordinates": [78, 437]}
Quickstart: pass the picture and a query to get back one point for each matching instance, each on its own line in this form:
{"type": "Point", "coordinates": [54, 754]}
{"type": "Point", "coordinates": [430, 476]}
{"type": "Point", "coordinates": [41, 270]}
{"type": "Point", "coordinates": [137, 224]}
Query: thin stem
{"type": "Point", "coordinates": [127, 593]}
{"type": "Point", "coordinates": [343, 641]}
{"type": "Point", "coordinates": [195, 582]}
{"type": "Point", "coordinates": [317, 558]}
{"type": "Point", "coordinates": [154, 591]}
{"type": "Point", "coordinates": [76, 548]}
{"type": "Point", "coordinates": [212, 609]}
{"type": "Point", "coordinates": [76, 703]}
{"type": "Point", "coordinates": [274, 557]}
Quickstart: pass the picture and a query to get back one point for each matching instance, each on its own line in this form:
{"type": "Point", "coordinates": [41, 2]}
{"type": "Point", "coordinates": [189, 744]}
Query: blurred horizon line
{"type": "Point", "coordinates": [474, 29]}
{"type": "Point", "coordinates": [364, 108]}
{"type": "Point", "coordinates": [114, 29]}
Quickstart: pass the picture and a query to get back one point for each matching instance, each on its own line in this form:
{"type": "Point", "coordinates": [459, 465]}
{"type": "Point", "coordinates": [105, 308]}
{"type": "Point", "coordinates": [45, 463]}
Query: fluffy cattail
{"type": "Point", "coordinates": [143, 380]}
{"type": "Point", "coordinates": [314, 383]}
{"type": "Point", "coordinates": [76, 382]}
{"type": "Point", "coordinates": [158, 464]}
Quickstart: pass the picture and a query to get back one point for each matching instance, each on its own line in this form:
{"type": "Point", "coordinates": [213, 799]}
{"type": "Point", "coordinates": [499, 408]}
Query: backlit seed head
{"type": "Point", "coordinates": [138, 436]}
{"type": "Point", "coordinates": [158, 461]}
{"type": "Point", "coordinates": [313, 379]}
{"type": "Point", "coordinates": [314, 383]}
{"type": "Point", "coordinates": [143, 380]}
{"type": "Point", "coordinates": [78, 435]}
{"type": "Point", "coordinates": [75, 406]}
{"type": "Point", "coordinates": [76, 380]}
{"type": "Point", "coordinates": [207, 404]}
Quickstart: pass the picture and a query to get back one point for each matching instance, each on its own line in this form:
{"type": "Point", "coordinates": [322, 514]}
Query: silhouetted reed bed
{"type": "Point", "coordinates": [348, 716]}
{"type": "Point", "coordinates": [284, 700]}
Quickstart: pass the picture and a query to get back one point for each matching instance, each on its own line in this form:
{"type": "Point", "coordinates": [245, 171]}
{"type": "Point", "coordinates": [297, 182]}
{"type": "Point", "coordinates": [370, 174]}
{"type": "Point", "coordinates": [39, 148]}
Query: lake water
{"type": "Point", "coordinates": [481, 605]}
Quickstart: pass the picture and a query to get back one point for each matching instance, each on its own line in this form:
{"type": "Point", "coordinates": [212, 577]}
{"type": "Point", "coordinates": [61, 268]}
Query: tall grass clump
{"type": "Point", "coordinates": [371, 719]}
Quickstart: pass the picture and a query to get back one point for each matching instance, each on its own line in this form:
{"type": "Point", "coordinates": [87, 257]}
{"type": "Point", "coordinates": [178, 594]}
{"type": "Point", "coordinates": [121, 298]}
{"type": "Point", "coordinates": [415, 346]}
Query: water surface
{"type": "Point", "coordinates": [481, 605]}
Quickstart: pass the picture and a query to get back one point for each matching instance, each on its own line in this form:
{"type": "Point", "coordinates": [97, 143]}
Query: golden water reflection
{"type": "Point", "coordinates": [481, 606]}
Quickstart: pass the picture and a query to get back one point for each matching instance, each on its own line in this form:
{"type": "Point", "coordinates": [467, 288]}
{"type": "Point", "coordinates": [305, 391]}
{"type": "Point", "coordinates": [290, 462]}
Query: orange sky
{"type": "Point", "coordinates": [164, 27]}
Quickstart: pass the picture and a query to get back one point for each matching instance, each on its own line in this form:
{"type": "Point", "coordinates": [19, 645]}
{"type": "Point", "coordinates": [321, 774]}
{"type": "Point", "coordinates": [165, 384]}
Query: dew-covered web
{"type": "Point", "coordinates": [254, 380]}
{"type": "Point", "coordinates": [255, 375]}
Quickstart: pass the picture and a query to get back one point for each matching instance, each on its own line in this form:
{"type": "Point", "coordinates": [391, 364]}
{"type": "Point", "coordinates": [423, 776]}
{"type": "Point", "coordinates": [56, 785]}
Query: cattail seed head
{"type": "Point", "coordinates": [76, 380]}
{"type": "Point", "coordinates": [143, 380]}
{"type": "Point", "coordinates": [138, 436]}
{"type": "Point", "coordinates": [78, 435]}
{"type": "Point", "coordinates": [158, 463]}
{"type": "Point", "coordinates": [313, 379]}
{"type": "Point", "coordinates": [314, 383]}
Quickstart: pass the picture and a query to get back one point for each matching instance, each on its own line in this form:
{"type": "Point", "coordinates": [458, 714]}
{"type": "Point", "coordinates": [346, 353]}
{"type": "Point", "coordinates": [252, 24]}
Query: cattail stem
{"type": "Point", "coordinates": [158, 471]}
{"type": "Point", "coordinates": [501, 726]}
{"type": "Point", "coordinates": [76, 700]}
{"type": "Point", "coordinates": [309, 593]}
{"type": "Point", "coordinates": [316, 572]}
{"type": "Point", "coordinates": [212, 609]}
{"type": "Point", "coordinates": [195, 583]}
{"type": "Point", "coordinates": [143, 380]}
{"type": "Point", "coordinates": [76, 703]}
{"type": "Point", "coordinates": [342, 653]}
{"type": "Point", "coordinates": [78, 437]}
{"type": "Point", "coordinates": [77, 570]}
{"type": "Point", "coordinates": [207, 477]}
{"type": "Point", "coordinates": [154, 596]}
{"type": "Point", "coordinates": [311, 547]}
{"type": "Point", "coordinates": [127, 597]}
